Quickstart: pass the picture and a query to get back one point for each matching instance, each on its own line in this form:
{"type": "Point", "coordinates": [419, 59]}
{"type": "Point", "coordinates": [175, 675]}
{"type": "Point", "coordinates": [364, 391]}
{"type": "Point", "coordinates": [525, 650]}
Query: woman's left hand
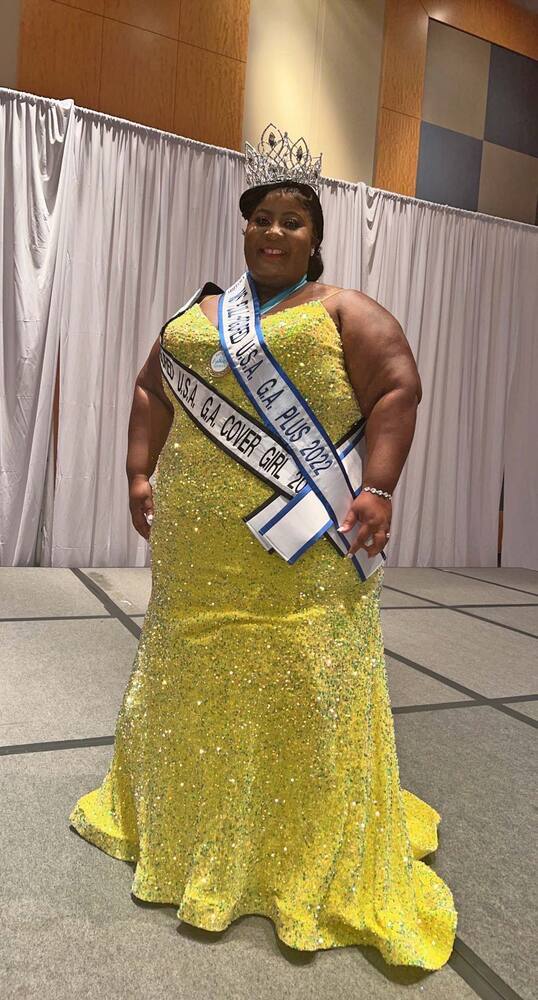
{"type": "Point", "coordinates": [374, 513]}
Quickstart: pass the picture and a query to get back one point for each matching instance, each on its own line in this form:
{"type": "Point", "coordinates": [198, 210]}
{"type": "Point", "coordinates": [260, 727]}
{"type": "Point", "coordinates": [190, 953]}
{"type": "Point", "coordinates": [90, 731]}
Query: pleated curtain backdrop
{"type": "Point", "coordinates": [150, 216]}
{"type": "Point", "coordinates": [450, 279]}
{"type": "Point", "coordinates": [108, 226]}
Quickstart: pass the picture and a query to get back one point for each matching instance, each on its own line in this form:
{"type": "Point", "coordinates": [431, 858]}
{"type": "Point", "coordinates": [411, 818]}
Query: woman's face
{"type": "Point", "coordinates": [278, 240]}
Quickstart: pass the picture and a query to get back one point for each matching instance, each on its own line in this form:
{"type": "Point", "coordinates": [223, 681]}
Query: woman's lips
{"type": "Point", "coordinates": [272, 252]}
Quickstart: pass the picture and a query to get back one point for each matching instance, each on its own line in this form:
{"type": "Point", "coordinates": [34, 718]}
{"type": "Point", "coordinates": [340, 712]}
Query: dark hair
{"type": "Point", "coordinates": [251, 199]}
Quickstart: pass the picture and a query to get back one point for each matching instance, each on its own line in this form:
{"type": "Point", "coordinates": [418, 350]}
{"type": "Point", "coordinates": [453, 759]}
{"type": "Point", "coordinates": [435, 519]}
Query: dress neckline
{"type": "Point", "coordinates": [311, 302]}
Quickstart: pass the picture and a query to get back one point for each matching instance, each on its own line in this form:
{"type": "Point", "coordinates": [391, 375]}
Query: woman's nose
{"type": "Point", "coordinates": [275, 228]}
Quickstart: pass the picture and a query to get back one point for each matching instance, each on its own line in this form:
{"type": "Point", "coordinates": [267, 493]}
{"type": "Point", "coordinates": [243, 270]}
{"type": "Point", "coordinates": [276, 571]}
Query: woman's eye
{"type": "Point", "coordinates": [262, 220]}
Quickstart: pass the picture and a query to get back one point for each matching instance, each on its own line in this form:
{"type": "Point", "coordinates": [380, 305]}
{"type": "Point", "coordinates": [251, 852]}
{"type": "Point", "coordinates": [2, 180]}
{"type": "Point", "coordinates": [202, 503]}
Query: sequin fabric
{"type": "Point", "coordinates": [254, 768]}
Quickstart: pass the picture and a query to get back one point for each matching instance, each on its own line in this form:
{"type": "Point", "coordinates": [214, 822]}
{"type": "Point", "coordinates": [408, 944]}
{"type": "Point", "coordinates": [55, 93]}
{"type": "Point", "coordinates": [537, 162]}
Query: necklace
{"type": "Point", "coordinates": [283, 295]}
{"type": "Point", "coordinates": [219, 362]}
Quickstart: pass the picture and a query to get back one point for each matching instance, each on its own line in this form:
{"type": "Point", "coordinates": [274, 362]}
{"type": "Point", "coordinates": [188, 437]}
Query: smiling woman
{"type": "Point", "coordinates": [255, 767]}
{"type": "Point", "coordinates": [285, 209]}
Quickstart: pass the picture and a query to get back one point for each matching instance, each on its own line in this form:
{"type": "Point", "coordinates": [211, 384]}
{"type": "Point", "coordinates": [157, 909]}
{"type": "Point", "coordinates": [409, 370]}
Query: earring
{"type": "Point", "coordinates": [312, 252]}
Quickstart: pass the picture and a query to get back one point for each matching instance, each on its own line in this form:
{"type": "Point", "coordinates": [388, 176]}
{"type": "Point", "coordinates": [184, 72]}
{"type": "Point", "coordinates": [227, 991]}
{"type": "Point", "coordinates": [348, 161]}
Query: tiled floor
{"type": "Point", "coordinates": [461, 656]}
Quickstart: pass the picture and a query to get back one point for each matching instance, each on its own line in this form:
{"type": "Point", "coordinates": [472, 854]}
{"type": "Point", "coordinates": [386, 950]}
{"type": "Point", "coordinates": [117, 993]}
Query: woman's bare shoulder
{"type": "Point", "coordinates": [320, 291]}
{"type": "Point", "coordinates": [359, 306]}
{"type": "Point", "coordinates": [347, 298]}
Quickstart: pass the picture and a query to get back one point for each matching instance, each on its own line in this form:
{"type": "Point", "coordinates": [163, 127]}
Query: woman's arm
{"type": "Point", "coordinates": [149, 423]}
{"type": "Point", "coordinates": [384, 376]}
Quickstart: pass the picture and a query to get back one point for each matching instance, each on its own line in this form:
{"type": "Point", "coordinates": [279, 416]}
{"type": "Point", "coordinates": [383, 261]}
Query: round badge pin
{"type": "Point", "coordinates": [219, 363]}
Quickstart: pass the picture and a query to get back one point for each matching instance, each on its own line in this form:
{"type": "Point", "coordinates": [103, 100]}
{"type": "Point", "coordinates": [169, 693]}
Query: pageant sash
{"type": "Point", "coordinates": [250, 444]}
{"type": "Point", "coordinates": [292, 526]}
{"type": "Point", "coordinates": [243, 437]}
{"type": "Point", "coordinates": [323, 502]}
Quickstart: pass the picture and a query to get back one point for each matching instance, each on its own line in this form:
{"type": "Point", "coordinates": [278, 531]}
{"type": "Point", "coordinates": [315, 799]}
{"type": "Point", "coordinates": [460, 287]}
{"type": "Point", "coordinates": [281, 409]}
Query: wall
{"type": "Point", "coordinates": [480, 155]}
{"type": "Point", "coordinates": [313, 69]}
{"type": "Point", "coordinates": [404, 67]}
{"type": "Point", "coordinates": [9, 41]}
{"type": "Point", "coordinates": [177, 65]}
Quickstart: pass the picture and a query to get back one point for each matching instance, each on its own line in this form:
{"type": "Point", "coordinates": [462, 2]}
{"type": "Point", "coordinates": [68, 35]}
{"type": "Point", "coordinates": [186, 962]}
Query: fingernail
{"type": "Point", "coordinates": [349, 555]}
{"type": "Point", "coordinates": [341, 527]}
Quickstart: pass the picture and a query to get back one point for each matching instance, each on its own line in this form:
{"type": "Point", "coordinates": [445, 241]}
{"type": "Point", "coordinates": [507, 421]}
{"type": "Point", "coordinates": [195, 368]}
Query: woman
{"type": "Point", "coordinates": [254, 767]}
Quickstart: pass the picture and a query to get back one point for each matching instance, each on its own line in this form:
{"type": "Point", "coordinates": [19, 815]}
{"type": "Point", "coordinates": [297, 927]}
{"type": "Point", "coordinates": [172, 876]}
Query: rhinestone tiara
{"type": "Point", "coordinates": [278, 159]}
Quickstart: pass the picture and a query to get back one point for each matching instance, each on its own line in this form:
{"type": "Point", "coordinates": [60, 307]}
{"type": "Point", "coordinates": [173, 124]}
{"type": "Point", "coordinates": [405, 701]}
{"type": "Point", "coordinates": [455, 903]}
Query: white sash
{"type": "Point", "coordinates": [235, 431]}
{"type": "Point", "coordinates": [257, 449]}
{"type": "Point", "coordinates": [292, 526]}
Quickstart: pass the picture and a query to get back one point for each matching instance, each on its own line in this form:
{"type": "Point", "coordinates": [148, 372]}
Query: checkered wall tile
{"type": "Point", "coordinates": [479, 132]}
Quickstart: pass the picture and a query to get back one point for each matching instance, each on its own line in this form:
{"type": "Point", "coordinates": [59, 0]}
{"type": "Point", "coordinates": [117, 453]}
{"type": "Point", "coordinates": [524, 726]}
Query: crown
{"type": "Point", "coordinates": [278, 159]}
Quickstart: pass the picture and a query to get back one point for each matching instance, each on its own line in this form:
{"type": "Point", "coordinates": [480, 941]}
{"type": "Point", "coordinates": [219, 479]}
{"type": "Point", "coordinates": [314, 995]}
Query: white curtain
{"type": "Point", "coordinates": [35, 137]}
{"type": "Point", "coordinates": [128, 221]}
{"type": "Point", "coordinates": [520, 537]}
{"type": "Point", "coordinates": [462, 286]}
{"type": "Point", "coordinates": [153, 216]}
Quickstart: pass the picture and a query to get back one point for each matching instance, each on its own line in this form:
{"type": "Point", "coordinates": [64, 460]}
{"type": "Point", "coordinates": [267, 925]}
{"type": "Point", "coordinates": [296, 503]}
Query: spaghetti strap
{"type": "Point", "coordinates": [329, 295]}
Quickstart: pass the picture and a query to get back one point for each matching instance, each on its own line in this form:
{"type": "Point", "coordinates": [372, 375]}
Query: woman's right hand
{"type": "Point", "coordinates": [141, 503]}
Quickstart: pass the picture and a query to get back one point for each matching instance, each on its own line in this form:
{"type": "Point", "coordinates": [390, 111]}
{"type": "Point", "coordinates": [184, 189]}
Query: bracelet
{"type": "Point", "coordinates": [382, 493]}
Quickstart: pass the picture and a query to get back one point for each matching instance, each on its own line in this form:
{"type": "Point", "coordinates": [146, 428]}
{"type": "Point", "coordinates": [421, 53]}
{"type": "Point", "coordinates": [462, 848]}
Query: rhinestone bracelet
{"type": "Point", "coordinates": [382, 493]}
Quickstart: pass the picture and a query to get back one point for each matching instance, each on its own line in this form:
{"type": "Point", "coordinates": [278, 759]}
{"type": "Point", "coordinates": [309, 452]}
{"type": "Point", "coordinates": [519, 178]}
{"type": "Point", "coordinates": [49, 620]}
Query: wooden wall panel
{"type": "Point", "coordinates": [94, 6]}
{"type": "Point", "coordinates": [220, 27]}
{"type": "Point", "coordinates": [138, 75]}
{"type": "Point", "coordinates": [400, 96]}
{"type": "Point", "coordinates": [404, 56]}
{"type": "Point", "coordinates": [209, 113]}
{"type": "Point", "coordinates": [60, 52]}
{"type": "Point", "coordinates": [397, 152]}
{"type": "Point", "coordinates": [161, 16]}
{"type": "Point", "coordinates": [177, 65]}
{"type": "Point", "coordinates": [495, 20]}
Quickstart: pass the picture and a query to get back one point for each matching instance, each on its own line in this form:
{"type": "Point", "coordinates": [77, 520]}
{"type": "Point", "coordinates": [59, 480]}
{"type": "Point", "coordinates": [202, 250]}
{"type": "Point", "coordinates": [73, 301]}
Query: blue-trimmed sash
{"type": "Point", "coordinates": [250, 443]}
{"type": "Point", "coordinates": [291, 526]}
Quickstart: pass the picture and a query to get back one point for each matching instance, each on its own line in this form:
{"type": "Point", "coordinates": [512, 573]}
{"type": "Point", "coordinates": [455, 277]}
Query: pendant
{"type": "Point", "coordinates": [219, 363]}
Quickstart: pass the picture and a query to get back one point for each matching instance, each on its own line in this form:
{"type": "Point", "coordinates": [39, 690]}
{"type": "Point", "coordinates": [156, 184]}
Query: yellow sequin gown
{"type": "Point", "coordinates": [254, 768]}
